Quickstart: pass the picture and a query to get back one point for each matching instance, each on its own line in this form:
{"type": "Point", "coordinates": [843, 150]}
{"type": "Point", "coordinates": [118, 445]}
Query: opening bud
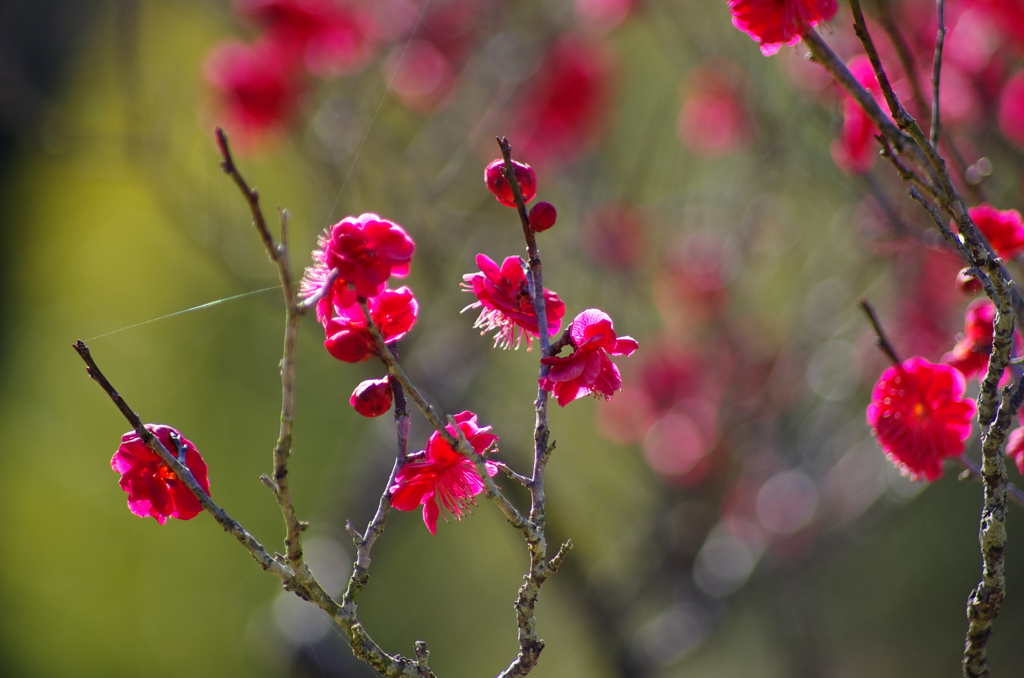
{"type": "Point", "coordinates": [542, 216]}
{"type": "Point", "coordinates": [372, 397]}
{"type": "Point", "coordinates": [494, 177]}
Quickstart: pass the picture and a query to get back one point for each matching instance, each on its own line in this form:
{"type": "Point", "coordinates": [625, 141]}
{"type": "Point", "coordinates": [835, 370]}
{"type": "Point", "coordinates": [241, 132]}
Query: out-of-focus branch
{"type": "Point", "coordinates": [940, 40]}
{"type": "Point", "coordinates": [880, 339]}
{"type": "Point", "coordinates": [907, 60]}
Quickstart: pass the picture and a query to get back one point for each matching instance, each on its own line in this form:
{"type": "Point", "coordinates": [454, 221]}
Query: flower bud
{"type": "Point", "coordinates": [542, 216]}
{"type": "Point", "coordinates": [494, 177]}
{"type": "Point", "coordinates": [967, 283]}
{"type": "Point", "coordinates": [372, 397]}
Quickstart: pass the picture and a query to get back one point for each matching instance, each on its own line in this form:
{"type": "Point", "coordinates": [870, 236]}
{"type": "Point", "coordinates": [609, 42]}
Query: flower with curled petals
{"type": "Point", "coordinates": [444, 481]}
{"type": "Point", "coordinates": [503, 295]}
{"type": "Point", "coordinates": [366, 251]}
{"type": "Point", "coordinates": [153, 487]}
{"type": "Point", "coordinates": [348, 338]}
{"type": "Point", "coordinates": [588, 370]}
{"type": "Point", "coordinates": [774, 23]}
{"type": "Point", "coordinates": [919, 415]}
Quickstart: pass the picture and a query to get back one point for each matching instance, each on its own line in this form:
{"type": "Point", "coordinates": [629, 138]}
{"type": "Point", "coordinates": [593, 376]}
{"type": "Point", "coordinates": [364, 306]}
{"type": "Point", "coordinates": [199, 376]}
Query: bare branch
{"type": "Point", "coordinates": [880, 339]}
{"type": "Point", "coordinates": [940, 40]}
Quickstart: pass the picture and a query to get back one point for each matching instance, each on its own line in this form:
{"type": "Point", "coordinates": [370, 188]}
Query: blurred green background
{"type": "Point", "coordinates": [115, 213]}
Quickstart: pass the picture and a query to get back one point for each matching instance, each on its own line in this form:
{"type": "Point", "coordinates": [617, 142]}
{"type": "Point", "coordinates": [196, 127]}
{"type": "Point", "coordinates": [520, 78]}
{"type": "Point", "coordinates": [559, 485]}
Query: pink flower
{"type": "Point", "coordinates": [494, 179]}
{"type": "Point", "coordinates": [589, 369]}
{"type": "Point", "coordinates": [420, 74]}
{"type": "Point", "coordinates": [504, 297]}
{"type": "Point", "coordinates": [856, 148]}
{"type": "Point", "coordinates": [919, 415]}
{"type": "Point", "coordinates": [366, 250]}
{"type": "Point", "coordinates": [393, 312]}
{"type": "Point", "coordinates": [564, 105]}
{"type": "Point", "coordinates": [372, 397]}
{"type": "Point", "coordinates": [775, 23]}
{"type": "Point", "coordinates": [326, 36]}
{"type": "Point", "coordinates": [1004, 229]}
{"type": "Point", "coordinates": [445, 480]}
{"type": "Point", "coordinates": [712, 120]}
{"type": "Point", "coordinates": [970, 355]}
{"type": "Point", "coordinates": [153, 488]}
{"type": "Point", "coordinates": [257, 88]}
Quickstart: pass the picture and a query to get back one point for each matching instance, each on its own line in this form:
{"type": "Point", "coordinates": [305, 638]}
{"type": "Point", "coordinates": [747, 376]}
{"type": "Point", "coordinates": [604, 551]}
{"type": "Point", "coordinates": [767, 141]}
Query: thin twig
{"type": "Point", "coordinates": [910, 70]}
{"type": "Point", "coordinates": [940, 40]}
{"type": "Point", "coordinates": [293, 314]}
{"type": "Point", "coordinates": [880, 339]}
{"type": "Point", "coordinates": [973, 470]}
{"type": "Point", "coordinates": [397, 372]}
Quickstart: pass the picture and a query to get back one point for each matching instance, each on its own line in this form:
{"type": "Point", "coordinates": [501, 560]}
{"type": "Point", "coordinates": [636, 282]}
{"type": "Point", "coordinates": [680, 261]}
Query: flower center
{"type": "Point", "coordinates": [920, 411]}
{"type": "Point", "coordinates": [165, 472]}
{"type": "Point", "coordinates": [365, 254]}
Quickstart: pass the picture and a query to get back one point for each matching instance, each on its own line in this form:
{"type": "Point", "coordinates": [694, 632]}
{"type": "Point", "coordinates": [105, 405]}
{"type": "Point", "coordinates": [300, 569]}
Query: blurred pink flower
{"type": "Point", "coordinates": [970, 355]}
{"type": "Point", "coordinates": [565, 103]}
{"type": "Point", "coordinates": [1011, 109]}
{"type": "Point", "coordinates": [712, 120]}
{"type": "Point", "coordinates": [257, 89]}
{"type": "Point", "coordinates": [327, 37]}
{"type": "Point", "coordinates": [1004, 229]}
{"type": "Point", "coordinates": [856, 149]}
{"type": "Point", "coordinates": [444, 481]}
{"type": "Point", "coordinates": [919, 415]}
{"type": "Point", "coordinates": [1015, 448]}
{"type": "Point", "coordinates": [420, 75]}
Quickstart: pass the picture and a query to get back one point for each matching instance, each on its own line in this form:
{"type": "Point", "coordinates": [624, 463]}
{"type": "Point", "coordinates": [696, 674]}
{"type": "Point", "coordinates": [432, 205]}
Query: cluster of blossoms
{"type": "Point", "coordinates": [352, 265]}
{"type": "Point", "coordinates": [982, 77]}
{"type": "Point", "coordinates": [504, 297]}
{"type": "Point", "coordinates": [919, 413]}
{"type": "Point", "coordinates": [259, 85]}
{"type": "Point", "coordinates": [918, 410]}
